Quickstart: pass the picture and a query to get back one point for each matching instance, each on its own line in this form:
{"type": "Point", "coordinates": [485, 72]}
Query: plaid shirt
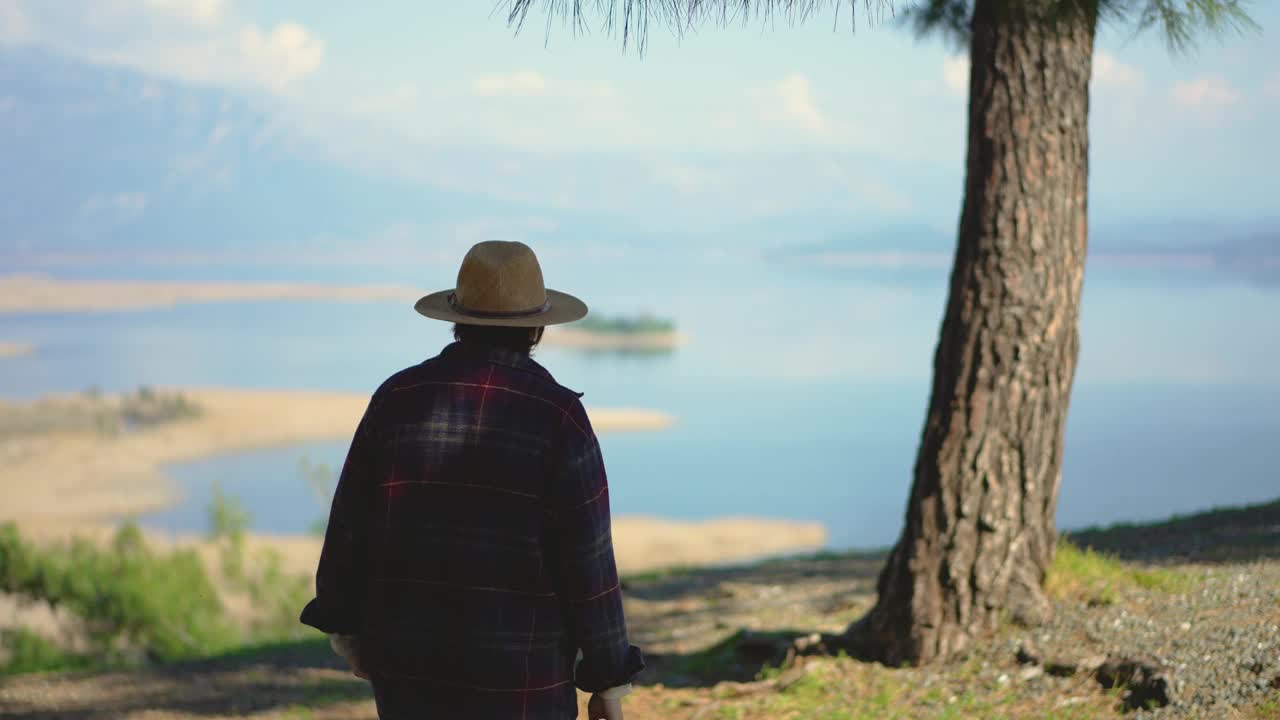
{"type": "Point", "coordinates": [469, 544]}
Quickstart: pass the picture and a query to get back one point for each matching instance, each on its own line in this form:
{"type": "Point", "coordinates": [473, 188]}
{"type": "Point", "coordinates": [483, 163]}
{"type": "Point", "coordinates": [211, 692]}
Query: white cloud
{"type": "Point", "coordinates": [1205, 91]}
{"type": "Point", "coordinates": [121, 205]}
{"type": "Point", "coordinates": [796, 95]}
{"type": "Point", "coordinates": [15, 26]}
{"type": "Point", "coordinates": [1110, 72]}
{"type": "Point", "coordinates": [194, 12]}
{"type": "Point", "coordinates": [285, 54]}
{"type": "Point", "coordinates": [520, 83]}
{"type": "Point", "coordinates": [202, 42]}
{"type": "Point", "coordinates": [955, 74]}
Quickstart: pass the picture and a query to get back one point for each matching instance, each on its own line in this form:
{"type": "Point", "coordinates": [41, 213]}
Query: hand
{"type": "Point", "coordinates": [600, 709]}
{"type": "Point", "coordinates": [357, 669]}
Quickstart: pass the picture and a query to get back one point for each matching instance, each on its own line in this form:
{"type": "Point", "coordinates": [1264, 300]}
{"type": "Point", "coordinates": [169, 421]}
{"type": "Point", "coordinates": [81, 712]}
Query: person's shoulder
{"type": "Point", "coordinates": [566, 398]}
{"type": "Point", "coordinates": [400, 380]}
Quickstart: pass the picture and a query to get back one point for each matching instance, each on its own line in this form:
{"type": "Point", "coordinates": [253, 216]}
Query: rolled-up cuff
{"type": "Point", "coordinates": [325, 620]}
{"type": "Point", "coordinates": [613, 672]}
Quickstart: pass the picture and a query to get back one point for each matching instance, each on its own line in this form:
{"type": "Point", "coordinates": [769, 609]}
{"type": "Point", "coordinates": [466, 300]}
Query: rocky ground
{"type": "Point", "coordinates": [1196, 637]}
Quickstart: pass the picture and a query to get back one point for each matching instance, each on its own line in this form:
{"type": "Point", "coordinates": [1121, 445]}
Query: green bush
{"type": "Point", "coordinates": [320, 480]}
{"type": "Point", "coordinates": [26, 651]}
{"type": "Point", "coordinates": [276, 596]}
{"type": "Point", "coordinates": [132, 602]}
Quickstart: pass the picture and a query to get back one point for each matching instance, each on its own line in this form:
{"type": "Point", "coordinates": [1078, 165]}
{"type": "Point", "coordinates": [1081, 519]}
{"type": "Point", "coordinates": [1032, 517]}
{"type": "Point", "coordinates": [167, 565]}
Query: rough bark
{"type": "Point", "coordinates": [979, 532]}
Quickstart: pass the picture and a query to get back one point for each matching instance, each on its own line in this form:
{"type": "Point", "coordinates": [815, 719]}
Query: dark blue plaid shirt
{"type": "Point", "coordinates": [469, 544]}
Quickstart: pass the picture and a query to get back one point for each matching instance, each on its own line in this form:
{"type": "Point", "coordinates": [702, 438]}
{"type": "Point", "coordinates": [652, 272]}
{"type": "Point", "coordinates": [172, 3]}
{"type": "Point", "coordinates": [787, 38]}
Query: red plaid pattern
{"type": "Point", "coordinates": [469, 544]}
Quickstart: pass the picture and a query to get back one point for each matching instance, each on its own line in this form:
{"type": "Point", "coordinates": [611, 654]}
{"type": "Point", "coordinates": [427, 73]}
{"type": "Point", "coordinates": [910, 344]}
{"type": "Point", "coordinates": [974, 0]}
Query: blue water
{"type": "Point", "coordinates": [801, 395]}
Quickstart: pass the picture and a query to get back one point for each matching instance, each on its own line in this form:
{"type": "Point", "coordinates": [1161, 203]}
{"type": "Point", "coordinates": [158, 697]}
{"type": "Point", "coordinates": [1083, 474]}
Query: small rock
{"type": "Point", "coordinates": [1030, 673]}
{"type": "Point", "coordinates": [1185, 626]}
{"type": "Point", "coordinates": [1070, 665]}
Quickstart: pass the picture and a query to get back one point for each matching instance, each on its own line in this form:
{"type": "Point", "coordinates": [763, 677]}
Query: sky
{"type": "Point", "coordinates": [171, 131]}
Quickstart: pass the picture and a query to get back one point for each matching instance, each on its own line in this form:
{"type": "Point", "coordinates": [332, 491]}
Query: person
{"type": "Point", "coordinates": [468, 567]}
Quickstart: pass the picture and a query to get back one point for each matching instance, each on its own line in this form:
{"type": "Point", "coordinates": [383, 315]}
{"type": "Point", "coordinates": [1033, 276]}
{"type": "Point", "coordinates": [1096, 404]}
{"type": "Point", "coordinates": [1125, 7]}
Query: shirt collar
{"type": "Point", "coordinates": [501, 356]}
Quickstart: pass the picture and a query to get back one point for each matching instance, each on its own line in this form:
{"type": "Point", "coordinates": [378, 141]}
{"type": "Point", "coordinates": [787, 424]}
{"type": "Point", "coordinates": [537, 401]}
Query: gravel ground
{"type": "Point", "coordinates": [1220, 639]}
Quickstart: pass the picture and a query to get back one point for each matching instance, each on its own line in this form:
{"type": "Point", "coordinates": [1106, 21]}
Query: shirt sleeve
{"type": "Point", "coordinates": [341, 574]}
{"type": "Point", "coordinates": [583, 559]}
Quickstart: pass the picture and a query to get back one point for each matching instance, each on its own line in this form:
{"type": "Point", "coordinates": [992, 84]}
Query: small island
{"type": "Point", "coordinates": [641, 334]}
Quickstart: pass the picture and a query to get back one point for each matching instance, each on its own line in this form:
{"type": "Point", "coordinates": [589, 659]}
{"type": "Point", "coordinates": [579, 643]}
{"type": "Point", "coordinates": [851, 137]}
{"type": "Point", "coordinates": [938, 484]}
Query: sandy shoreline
{"type": "Point", "coordinates": [14, 349]}
{"type": "Point", "coordinates": [60, 483]}
{"type": "Point", "coordinates": [40, 293]}
{"type": "Point", "coordinates": [584, 340]}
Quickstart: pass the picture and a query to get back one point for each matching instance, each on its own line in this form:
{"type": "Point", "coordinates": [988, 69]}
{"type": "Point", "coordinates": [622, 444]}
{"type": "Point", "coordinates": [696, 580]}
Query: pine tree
{"type": "Point", "coordinates": [979, 533]}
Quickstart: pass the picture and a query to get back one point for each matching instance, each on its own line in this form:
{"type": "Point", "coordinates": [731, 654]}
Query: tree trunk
{"type": "Point", "coordinates": [979, 533]}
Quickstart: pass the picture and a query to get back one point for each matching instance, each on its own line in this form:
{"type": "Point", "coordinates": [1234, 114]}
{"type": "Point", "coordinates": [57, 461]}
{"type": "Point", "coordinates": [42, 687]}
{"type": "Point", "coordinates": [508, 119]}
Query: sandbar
{"type": "Point", "coordinates": [56, 484]}
{"type": "Point", "coordinates": [41, 293]}
{"type": "Point", "coordinates": [88, 476]}
{"type": "Point", "coordinates": [14, 349]}
{"type": "Point", "coordinates": [586, 340]}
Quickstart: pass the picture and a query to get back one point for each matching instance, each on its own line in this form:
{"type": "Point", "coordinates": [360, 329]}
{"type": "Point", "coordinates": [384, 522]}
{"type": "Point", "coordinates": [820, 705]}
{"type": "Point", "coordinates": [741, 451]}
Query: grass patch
{"type": "Point", "coordinates": [845, 689]}
{"type": "Point", "coordinates": [1101, 577]}
{"type": "Point", "coordinates": [28, 652]}
{"type": "Point", "coordinates": [1268, 709]}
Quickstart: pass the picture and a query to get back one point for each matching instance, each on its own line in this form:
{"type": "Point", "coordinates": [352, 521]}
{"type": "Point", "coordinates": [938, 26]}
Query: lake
{"type": "Point", "coordinates": [801, 394]}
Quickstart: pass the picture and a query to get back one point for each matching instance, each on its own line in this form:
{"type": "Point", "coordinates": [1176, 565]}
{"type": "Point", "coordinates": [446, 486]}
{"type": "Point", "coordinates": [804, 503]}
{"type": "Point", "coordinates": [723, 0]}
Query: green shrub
{"type": "Point", "coordinates": [276, 595]}
{"type": "Point", "coordinates": [26, 651]}
{"type": "Point", "coordinates": [321, 481]}
{"type": "Point", "coordinates": [132, 602]}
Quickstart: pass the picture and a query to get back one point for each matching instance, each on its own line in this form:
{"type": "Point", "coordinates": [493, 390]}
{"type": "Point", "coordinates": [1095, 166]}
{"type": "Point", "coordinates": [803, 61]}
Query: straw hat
{"type": "Point", "coordinates": [500, 283]}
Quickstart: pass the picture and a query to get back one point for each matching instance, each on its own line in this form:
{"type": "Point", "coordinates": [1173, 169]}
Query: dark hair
{"type": "Point", "coordinates": [516, 339]}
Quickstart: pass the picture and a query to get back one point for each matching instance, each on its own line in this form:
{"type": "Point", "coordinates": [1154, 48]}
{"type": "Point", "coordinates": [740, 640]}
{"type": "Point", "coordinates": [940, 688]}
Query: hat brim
{"type": "Point", "coordinates": [561, 308]}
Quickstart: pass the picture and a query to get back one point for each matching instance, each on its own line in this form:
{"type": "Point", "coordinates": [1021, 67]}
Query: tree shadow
{"type": "Point", "coordinates": [251, 680]}
{"type": "Point", "coordinates": [745, 656]}
{"type": "Point", "coordinates": [856, 566]}
{"type": "Point", "coordinates": [710, 610]}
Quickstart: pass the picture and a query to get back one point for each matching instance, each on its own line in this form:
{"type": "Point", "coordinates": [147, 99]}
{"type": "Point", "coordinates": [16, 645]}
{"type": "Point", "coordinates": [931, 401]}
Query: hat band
{"type": "Point", "coordinates": [496, 314]}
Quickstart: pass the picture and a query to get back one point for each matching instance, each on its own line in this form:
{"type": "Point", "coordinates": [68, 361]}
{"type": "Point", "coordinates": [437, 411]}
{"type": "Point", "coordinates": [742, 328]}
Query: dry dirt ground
{"type": "Point", "coordinates": [702, 664]}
